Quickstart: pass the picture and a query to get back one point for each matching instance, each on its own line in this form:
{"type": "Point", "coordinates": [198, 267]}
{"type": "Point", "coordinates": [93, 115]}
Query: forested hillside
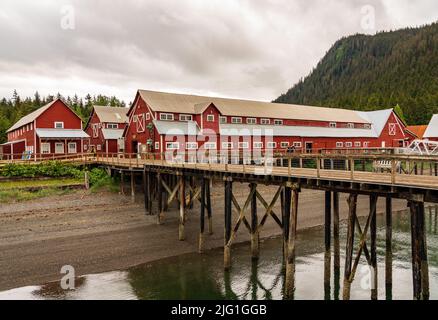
{"type": "Point", "coordinates": [365, 72]}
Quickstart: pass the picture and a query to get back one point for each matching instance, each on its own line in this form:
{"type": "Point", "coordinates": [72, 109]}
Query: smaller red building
{"type": "Point", "coordinates": [105, 128]}
{"type": "Point", "coordinates": [51, 130]}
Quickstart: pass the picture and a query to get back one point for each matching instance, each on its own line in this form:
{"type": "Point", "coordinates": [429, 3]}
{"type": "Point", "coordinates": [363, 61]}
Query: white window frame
{"type": "Point", "coordinates": [244, 145]}
{"type": "Point", "coordinates": [157, 145]}
{"type": "Point", "coordinates": [278, 122]}
{"type": "Point", "coordinates": [112, 126]}
{"type": "Point", "coordinates": [141, 123]}
{"type": "Point", "coordinates": [265, 121]}
{"type": "Point", "coordinates": [236, 120]}
{"type": "Point", "coordinates": [210, 146]}
{"type": "Point", "coordinates": [297, 144]}
{"type": "Point", "coordinates": [367, 126]}
{"type": "Point", "coordinates": [210, 117]}
{"type": "Point", "coordinates": [227, 145]}
{"type": "Point", "coordinates": [349, 144]}
{"type": "Point", "coordinates": [223, 119]}
{"type": "Point", "coordinates": [357, 144]}
{"type": "Point", "coordinates": [58, 145]}
{"type": "Point", "coordinates": [185, 117]}
{"type": "Point", "coordinates": [59, 122]}
{"type": "Point", "coordinates": [167, 117]}
{"type": "Point", "coordinates": [70, 150]}
{"type": "Point", "coordinates": [284, 144]}
{"type": "Point", "coordinates": [339, 144]}
{"type": "Point", "coordinates": [366, 144]}
{"type": "Point", "coordinates": [148, 116]}
{"type": "Point", "coordinates": [333, 124]}
{"type": "Point", "coordinates": [45, 148]}
{"type": "Point", "coordinates": [257, 145]}
{"type": "Point", "coordinates": [392, 129]}
{"type": "Point", "coordinates": [271, 145]}
{"type": "Point", "coordinates": [95, 128]}
{"type": "Point", "coordinates": [350, 125]}
{"type": "Point", "coordinates": [98, 147]}
{"type": "Point", "coordinates": [251, 120]}
{"type": "Point", "coordinates": [172, 145]}
{"type": "Point", "coordinates": [191, 146]}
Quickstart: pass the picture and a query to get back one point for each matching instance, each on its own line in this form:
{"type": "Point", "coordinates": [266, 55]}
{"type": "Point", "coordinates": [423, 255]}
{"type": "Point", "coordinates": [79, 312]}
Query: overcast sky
{"type": "Point", "coordinates": [248, 49]}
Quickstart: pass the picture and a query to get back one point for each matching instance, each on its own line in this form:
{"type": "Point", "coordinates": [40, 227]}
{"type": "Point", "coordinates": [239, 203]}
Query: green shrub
{"type": "Point", "coordinates": [47, 169]}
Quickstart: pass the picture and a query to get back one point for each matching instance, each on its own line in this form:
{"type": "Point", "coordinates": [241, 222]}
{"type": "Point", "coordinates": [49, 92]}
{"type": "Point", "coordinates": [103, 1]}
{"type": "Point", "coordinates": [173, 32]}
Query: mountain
{"type": "Point", "coordinates": [364, 72]}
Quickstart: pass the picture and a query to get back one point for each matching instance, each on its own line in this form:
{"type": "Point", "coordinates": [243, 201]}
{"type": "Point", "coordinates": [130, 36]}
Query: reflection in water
{"type": "Point", "coordinates": [197, 276]}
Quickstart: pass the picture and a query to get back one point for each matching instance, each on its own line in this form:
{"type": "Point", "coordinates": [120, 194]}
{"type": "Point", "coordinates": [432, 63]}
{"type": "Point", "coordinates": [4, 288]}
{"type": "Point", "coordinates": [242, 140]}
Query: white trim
{"type": "Point", "coordinates": [244, 145]}
{"type": "Point", "coordinates": [48, 149]}
{"type": "Point", "coordinates": [251, 120]}
{"type": "Point", "coordinates": [174, 145]}
{"type": "Point", "coordinates": [223, 118]}
{"type": "Point", "coordinates": [75, 147]}
{"type": "Point", "coordinates": [349, 144]}
{"type": "Point", "coordinates": [111, 125]}
{"type": "Point", "coordinates": [333, 124]}
{"type": "Point", "coordinates": [265, 121]}
{"type": "Point", "coordinates": [297, 144]}
{"type": "Point", "coordinates": [227, 145]}
{"type": "Point", "coordinates": [210, 118]}
{"type": "Point", "coordinates": [284, 144]}
{"type": "Point", "coordinates": [187, 117]}
{"type": "Point", "coordinates": [278, 122]}
{"type": "Point", "coordinates": [167, 116]}
{"type": "Point", "coordinates": [191, 145]}
{"type": "Point", "coordinates": [257, 145]}
{"type": "Point", "coordinates": [236, 120]}
{"type": "Point", "coordinates": [210, 145]}
{"type": "Point", "coordinates": [350, 125]}
{"type": "Point", "coordinates": [58, 151]}
{"type": "Point", "coordinates": [357, 144]}
{"type": "Point", "coordinates": [271, 145]}
{"type": "Point", "coordinates": [339, 144]}
{"type": "Point", "coordinates": [58, 122]}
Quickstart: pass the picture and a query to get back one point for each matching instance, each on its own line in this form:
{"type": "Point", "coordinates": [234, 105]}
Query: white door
{"type": "Point", "coordinates": [59, 147]}
{"type": "Point", "coordinates": [72, 147]}
{"type": "Point", "coordinates": [383, 144]}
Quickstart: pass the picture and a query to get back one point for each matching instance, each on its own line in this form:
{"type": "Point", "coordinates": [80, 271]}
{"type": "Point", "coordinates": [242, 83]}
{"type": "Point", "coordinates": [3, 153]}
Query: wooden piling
{"type": "Point", "coordinates": [209, 212]}
{"type": "Point", "coordinates": [145, 191]}
{"type": "Point", "coordinates": [132, 185]}
{"type": "Point", "coordinates": [182, 207]}
{"type": "Point", "coordinates": [227, 219]}
{"type": "Point", "coordinates": [287, 194]}
{"type": "Point", "coordinates": [373, 241]}
{"type": "Point", "coordinates": [327, 242]}
{"type": "Point", "coordinates": [160, 213]}
{"type": "Point", "coordinates": [336, 246]}
{"type": "Point", "coordinates": [290, 263]}
{"type": "Point", "coordinates": [352, 204]}
{"type": "Point", "coordinates": [388, 255]}
{"type": "Point", "coordinates": [122, 183]}
{"type": "Point", "coordinates": [202, 216]}
{"type": "Point", "coordinates": [255, 239]}
{"type": "Point", "coordinates": [149, 191]}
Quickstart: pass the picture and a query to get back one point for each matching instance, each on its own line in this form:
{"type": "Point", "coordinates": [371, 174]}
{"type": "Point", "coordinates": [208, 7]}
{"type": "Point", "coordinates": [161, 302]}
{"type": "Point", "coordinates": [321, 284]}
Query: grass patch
{"type": "Point", "coordinates": [14, 195]}
{"type": "Point", "coordinates": [105, 184]}
{"type": "Point", "coordinates": [6, 185]}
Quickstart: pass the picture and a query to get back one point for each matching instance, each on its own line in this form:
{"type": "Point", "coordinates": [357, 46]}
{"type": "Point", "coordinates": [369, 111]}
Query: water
{"type": "Point", "coordinates": [195, 276]}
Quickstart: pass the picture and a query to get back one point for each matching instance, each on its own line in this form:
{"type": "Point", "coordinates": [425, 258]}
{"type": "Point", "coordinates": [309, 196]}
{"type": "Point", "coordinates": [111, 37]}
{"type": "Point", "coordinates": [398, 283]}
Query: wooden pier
{"type": "Point", "coordinates": [185, 179]}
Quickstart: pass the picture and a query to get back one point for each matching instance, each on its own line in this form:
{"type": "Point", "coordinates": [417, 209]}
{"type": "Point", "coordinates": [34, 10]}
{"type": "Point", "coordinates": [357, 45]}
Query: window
{"type": "Point", "coordinates": [157, 146]}
{"type": "Point", "coordinates": [141, 123]}
{"type": "Point", "coordinates": [236, 120]}
{"type": "Point", "coordinates": [366, 144]}
{"type": "Point", "coordinates": [271, 145]}
{"type": "Point", "coordinates": [284, 144]}
{"type": "Point", "coordinates": [210, 118]}
{"type": "Point", "coordinates": [112, 126]}
{"type": "Point", "coordinates": [243, 145]}
{"type": "Point", "coordinates": [72, 147]}
{"type": "Point", "coordinates": [185, 117]}
{"type": "Point", "coordinates": [348, 144]}
{"type": "Point", "coordinates": [95, 130]}
{"type": "Point", "coordinates": [350, 125]}
{"type": "Point", "coordinates": [59, 147]}
{"type": "Point", "coordinates": [223, 119]}
{"type": "Point", "coordinates": [191, 145]}
{"type": "Point", "coordinates": [367, 126]}
{"type": "Point", "coordinates": [45, 148]}
{"type": "Point", "coordinates": [59, 125]}
{"type": "Point", "coordinates": [278, 122]}
{"type": "Point", "coordinates": [357, 144]}
{"type": "Point", "coordinates": [339, 144]}
{"type": "Point", "coordinates": [227, 145]}
{"type": "Point", "coordinates": [297, 144]}
{"type": "Point", "coordinates": [210, 145]}
{"type": "Point", "coordinates": [332, 124]}
{"type": "Point", "coordinates": [251, 120]}
{"type": "Point", "coordinates": [99, 147]}
{"type": "Point", "coordinates": [148, 116]}
{"type": "Point", "coordinates": [392, 129]}
{"type": "Point", "coordinates": [166, 116]}
{"type": "Point", "coordinates": [258, 145]}
{"type": "Point", "coordinates": [31, 126]}
{"type": "Point", "coordinates": [172, 145]}
{"type": "Point", "coordinates": [265, 121]}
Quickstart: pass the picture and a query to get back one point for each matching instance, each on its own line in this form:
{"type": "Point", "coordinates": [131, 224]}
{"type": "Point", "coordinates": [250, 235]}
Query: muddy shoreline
{"type": "Point", "coordinates": [105, 232]}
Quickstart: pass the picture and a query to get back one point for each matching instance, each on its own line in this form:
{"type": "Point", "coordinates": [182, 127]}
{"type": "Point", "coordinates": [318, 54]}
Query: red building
{"type": "Point", "coordinates": [160, 122]}
{"type": "Point", "coordinates": [53, 129]}
{"type": "Point", "coordinates": [105, 128]}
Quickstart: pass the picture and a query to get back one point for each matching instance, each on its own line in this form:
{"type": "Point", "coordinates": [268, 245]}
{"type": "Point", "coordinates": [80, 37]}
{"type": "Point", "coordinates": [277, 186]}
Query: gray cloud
{"type": "Point", "coordinates": [250, 49]}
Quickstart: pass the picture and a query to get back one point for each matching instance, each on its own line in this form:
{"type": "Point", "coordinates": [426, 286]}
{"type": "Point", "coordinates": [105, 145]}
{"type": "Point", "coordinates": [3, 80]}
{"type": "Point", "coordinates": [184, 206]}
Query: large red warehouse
{"type": "Point", "coordinates": [160, 122]}
{"type": "Point", "coordinates": [105, 128]}
{"type": "Point", "coordinates": [53, 129]}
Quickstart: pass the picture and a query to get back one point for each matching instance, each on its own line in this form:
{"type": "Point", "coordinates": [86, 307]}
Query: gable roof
{"type": "Point", "coordinates": [111, 114]}
{"type": "Point", "coordinates": [378, 119]}
{"type": "Point", "coordinates": [193, 104]}
{"type": "Point", "coordinates": [432, 128]}
{"type": "Point", "coordinates": [31, 116]}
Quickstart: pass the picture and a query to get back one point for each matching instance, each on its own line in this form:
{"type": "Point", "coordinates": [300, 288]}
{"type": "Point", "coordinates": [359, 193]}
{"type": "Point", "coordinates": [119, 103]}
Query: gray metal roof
{"type": "Point", "coordinates": [177, 127]}
{"type": "Point", "coordinates": [432, 128]}
{"type": "Point", "coordinates": [109, 134]}
{"type": "Point", "coordinates": [61, 133]}
{"type": "Point", "coordinates": [111, 114]}
{"type": "Point", "coordinates": [294, 131]}
{"type": "Point", "coordinates": [31, 116]}
{"type": "Point", "coordinates": [378, 119]}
